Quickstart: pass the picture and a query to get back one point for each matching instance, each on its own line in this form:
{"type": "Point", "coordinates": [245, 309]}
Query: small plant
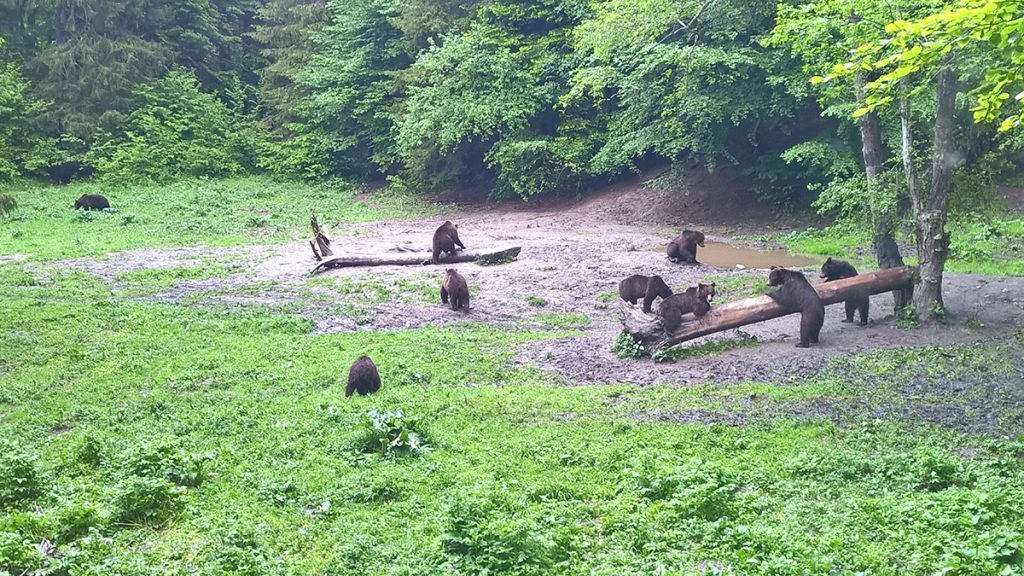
{"type": "Point", "coordinates": [536, 301]}
{"type": "Point", "coordinates": [974, 321]}
{"type": "Point", "coordinates": [626, 347]}
{"type": "Point", "coordinates": [389, 433]}
{"type": "Point", "coordinates": [906, 318]}
{"type": "Point", "coordinates": [561, 319]}
{"type": "Point", "coordinates": [606, 297]}
{"type": "Point", "coordinates": [146, 500]}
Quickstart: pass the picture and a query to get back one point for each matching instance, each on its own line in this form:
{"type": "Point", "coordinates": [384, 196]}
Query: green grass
{"type": "Point", "coordinates": [145, 438]}
{"type": "Point", "coordinates": [208, 212]}
{"type": "Point", "coordinates": [737, 286]}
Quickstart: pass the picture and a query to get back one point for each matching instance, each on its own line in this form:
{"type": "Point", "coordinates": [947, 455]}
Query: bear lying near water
{"type": "Point", "coordinates": [455, 289]}
{"type": "Point", "coordinates": [696, 300]}
{"type": "Point", "coordinates": [362, 377]}
{"type": "Point", "coordinates": [684, 247]}
{"type": "Point", "coordinates": [837, 270]}
{"type": "Point", "coordinates": [639, 286]}
{"type": "Point", "coordinates": [92, 202]}
{"type": "Point", "coordinates": [446, 237]}
{"type": "Point", "coordinates": [797, 294]}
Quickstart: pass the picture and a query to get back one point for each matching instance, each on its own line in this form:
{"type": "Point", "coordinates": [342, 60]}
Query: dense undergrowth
{"type": "Point", "coordinates": [142, 437]}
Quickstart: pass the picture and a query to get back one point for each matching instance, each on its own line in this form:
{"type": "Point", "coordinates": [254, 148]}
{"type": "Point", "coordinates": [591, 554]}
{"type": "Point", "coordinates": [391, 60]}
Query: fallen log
{"type": "Point", "coordinates": [482, 256]}
{"type": "Point", "coordinates": [648, 329]}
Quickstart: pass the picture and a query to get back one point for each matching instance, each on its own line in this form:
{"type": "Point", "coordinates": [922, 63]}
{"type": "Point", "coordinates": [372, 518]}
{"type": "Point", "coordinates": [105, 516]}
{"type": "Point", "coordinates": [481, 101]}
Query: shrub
{"type": "Point", "coordinates": [20, 479]}
{"type": "Point", "coordinates": [146, 500]}
{"type": "Point", "coordinates": [625, 347]}
{"type": "Point", "coordinates": [388, 433]}
{"type": "Point", "coordinates": [164, 459]}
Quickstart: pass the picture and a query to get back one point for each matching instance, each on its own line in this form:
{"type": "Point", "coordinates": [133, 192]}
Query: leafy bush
{"type": "Point", "coordinates": [18, 554]}
{"type": "Point", "coordinates": [626, 347]}
{"type": "Point", "coordinates": [179, 131]}
{"type": "Point", "coordinates": [164, 459]}
{"type": "Point", "coordinates": [389, 433]}
{"type": "Point", "coordinates": [489, 533]}
{"type": "Point", "coordinates": [146, 500]}
{"type": "Point", "coordinates": [20, 479]}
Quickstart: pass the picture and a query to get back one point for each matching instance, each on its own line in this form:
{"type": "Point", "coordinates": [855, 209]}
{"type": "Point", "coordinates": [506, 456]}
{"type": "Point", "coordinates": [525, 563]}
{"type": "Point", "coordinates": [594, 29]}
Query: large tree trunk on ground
{"type": "Point", "coordinates": [930, 216]}
{"type": "Point", "coordinates": [887, 253]}
{"type": "Point", "coordinates": [481, 256]}
{"type": "Point", "coordinates": [650, 331]}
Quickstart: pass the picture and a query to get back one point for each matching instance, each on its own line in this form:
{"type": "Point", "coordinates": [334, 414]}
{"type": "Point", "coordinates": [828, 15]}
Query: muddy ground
{"type": "Point", "coordinates": [572, 254]}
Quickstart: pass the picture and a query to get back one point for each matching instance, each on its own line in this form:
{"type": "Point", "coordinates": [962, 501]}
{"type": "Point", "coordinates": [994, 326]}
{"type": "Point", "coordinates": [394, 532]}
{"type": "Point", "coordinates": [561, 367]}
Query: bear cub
{"type": "Point", "coordinates": [446, 237]}
{"type": "Point", "coordinates": [696, 300]}
{"type": "Point", "coordinates": [837, 270]}
{"type": "Point", "coordinates": [362, 377]}
{"type": "Point", "coordinates": [639, 286]}
{"type": "Point", "coordinates": [455, 289]}
{"type": "Point", "coordinates": [684, 247]}
{"type": "Point", "coordinates": [797, 294]}
{"type": "Point", "coordinates": [92, 202]}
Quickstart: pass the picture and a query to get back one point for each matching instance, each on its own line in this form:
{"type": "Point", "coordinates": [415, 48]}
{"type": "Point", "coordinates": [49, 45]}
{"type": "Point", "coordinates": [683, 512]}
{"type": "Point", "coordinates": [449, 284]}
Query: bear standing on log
{"type": "Point", "coordinates": [797, 294]}
{"type": "Point", "coordinates": [684, 247]}
{"type": "Point", "coordinates": [446, 237]}
{"type": "Point", "coordinates": [92, 202]}
{"type": "Point", "coordinates": [639, 286]}
{"type": "Point", "coordinates": [837, 270]}
{"type": "Point", "coordinates": [696, 299]}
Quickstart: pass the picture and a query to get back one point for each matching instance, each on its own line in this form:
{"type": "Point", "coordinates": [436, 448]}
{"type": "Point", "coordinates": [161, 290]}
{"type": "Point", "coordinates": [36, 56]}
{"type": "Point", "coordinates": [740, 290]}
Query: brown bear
{"type": "Point", "coordinates": [797, 294]}
{"type": "Point", "coordinates": [446, 237]}
{"type": "Point", "coordinates": [362, 377]}
{"type": "Point", "coordinates": [92, 202]}
{"type": "Point", "coordinates": [639, 286]}
{"type": "Point", "coordinates": [839, 269]}
{"type": "Point", "coordinates": [684, 248]}
{"type": "Point", "coordinates": [455, 289]}
{"type": "Point", "coordinates": [696, 299]}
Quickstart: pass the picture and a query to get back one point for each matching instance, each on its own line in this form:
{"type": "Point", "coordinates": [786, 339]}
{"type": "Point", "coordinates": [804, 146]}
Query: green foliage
{"type": "Point", "coordinates": [20, 479]}
{"type": "Point", "coordinates": [535, 300]}
{"type": "Point", "coordinates": [178, 132]}
{"type": "Point", "coordinates": [17, 108]}
{"type": "Point", "coordinates": [625, 346]}
{"type": "Point", "coordinates": [390, 433]}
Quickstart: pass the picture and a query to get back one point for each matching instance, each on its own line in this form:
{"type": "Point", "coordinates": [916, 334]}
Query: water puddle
{"type": "Point", "coordinates": [729, 256]}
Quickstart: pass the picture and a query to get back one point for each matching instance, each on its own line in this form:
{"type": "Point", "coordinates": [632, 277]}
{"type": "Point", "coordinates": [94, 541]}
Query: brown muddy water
{"type": "Point", "coordinates": [729, 256]}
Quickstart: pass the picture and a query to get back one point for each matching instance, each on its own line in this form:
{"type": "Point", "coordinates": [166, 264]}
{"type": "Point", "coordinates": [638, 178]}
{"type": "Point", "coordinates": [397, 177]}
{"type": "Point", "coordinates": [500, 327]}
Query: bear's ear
{"type": "Point", "coordinates": [829, 260]}
{"type": "Point", "coordinates": [712, 284]}
{"type": "Point", "coordinates": [773, 267]}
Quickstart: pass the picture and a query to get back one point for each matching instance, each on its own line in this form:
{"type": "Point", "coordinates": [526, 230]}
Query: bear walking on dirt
{"type": "Point", "coordinates": [797, 294]}
{"type": "Point", "coordinates": [696, 299]}
{"type": "Point", "coordinates": [454, 289]}
{"type": "Point", "coordinates": [362, 377]}
{"type": "Point", "coordinates": [446, 237]}
{"type": "Point", "coordinates": [684, 247]}
{"type": "Point", "coordinates": [837, 270]}
{"type": "Point", "coordinates": [92, 202]}
{"type": "Point", "coordinates": [648, 288]}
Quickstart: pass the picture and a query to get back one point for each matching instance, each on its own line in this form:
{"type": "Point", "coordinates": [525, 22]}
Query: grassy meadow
{"type": "Point", "coordinates": [141, 437]}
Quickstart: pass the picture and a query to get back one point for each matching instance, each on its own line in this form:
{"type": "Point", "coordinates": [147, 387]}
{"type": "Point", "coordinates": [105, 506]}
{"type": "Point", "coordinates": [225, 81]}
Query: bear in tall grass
{"type": "Point", "coordinates": [648, 288]}
{"type": "Point", "coordinates": [838, 269]}
{"type": "Point", "coordinates": [362, 377]}
{"type": "Point", "coordinates": [684, 247]}
{"type": "Point", "coordinates": [797, 294]}
{"type": "Point", "coordinates": [446, 237]}
{"type": "Point", "coordinates": [92, 202]}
